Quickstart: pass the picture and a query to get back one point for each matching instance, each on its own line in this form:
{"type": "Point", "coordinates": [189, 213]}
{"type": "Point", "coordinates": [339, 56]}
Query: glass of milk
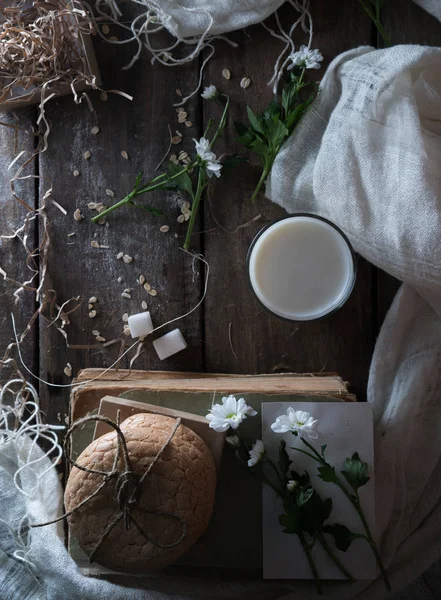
{"type": "Point", "coordinates": [301, 267]}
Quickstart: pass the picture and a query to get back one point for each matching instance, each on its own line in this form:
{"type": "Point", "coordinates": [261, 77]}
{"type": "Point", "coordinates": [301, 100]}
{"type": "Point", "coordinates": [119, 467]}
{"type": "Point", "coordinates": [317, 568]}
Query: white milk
{"type": "Point", "coordinates": [301, 268]}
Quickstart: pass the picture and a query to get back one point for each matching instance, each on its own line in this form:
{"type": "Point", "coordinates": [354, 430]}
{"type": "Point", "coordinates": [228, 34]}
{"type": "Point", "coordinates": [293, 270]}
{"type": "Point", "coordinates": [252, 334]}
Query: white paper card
{"type": "Point", "coordinates": [346, 427]}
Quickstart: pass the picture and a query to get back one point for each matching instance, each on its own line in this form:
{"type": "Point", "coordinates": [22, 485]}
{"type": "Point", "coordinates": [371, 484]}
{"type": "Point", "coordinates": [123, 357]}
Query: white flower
{"type": "Point", "coordinates": [256, 453]}
{"type": "Point", "coordinates": [233, 441]}
{"type": "Point", "coordinates": [298, 421]}
{"type": "Point", "coordinates": [291, 485]}
{"type": "Point", "coordinates": [310, 59]}
{"type": "Point", "coordinates": [210, 93]}
{"type": "Point", "coordinates": [230, 413]}
{"type": "Point", "coordinates": [208, 158]}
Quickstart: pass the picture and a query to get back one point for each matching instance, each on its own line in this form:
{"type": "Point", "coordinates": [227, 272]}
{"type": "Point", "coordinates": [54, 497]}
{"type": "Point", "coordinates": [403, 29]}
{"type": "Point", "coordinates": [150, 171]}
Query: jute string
{"type": "Point", "coordinates": [128, 486]}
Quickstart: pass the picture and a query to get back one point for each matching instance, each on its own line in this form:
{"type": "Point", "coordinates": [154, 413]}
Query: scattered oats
{"type": "Point", "coordinates": [124, 154]}
{"type": "Point", "coordinates": [125, 317]}
{"type": "Point", "coordinates": [68, 370]}
{"type": "Point", "coordinates": [119, 279]}
{"type": "Point", "coordinates": [178, 92]}
{"type": "Point", "coordinates": [183, 155]}
{"type": "Point", "coordinates": [103, 96]}
{"type": "Point", "coordinates": [126, 330]}
{"type": "Point", "coordinates": [180, 109]}
{"type": "Point", "coordinates": [178, 133]}
{"type": "Point", "coordinates": [128, 290]}
{"type": "Point", "coordinates": [174, 159]}
{"type": "Point", "coordinates": [100, 338]}
{"type": "Point", "coordinates": [78, 216]}
{"type": "Point", "coordinates": [226, 74]}
{"type": "Point", "coordinates": [187, 216]}
{"type": "Point", "coordinates": [95, 130]}
{"type": "Point", "coordinates": [185, 205]}
{"type": "Point", "coordinates": [189, 123]}
{"type": "Point", "coordinates": [147, 287]}
{"type": "Point", "coordinates": [102, 221]}
{"type": "Point", "coordinates": [105, 29]}
{"type": "Point", "coordinates": [164, 229]}
{"type": "Point", "coordinates": [186, 161]}
{"type": "Point", "coordinates": [245, 83]}
{"type": "Point", "coordinates": [93, 300]}
{"type": "Point", "coordinates": [113, 38]}
{"type": "Point", "coordinates": [71, 234]}
{"type": "Point", "coordinates": [176, 139]}
{"type": "Point", "coordinates": [144, 305]}
{"type": "Point", "coordinates": [90, 306]}
{"type": "Point", "coordinates": [110, 193]}
{"type": "Point", "coordinates": [76, 173]}
{"type": "Point", "coordinates": [87, 154]}
{"type": "Point", "coordinates": [119, 255]}
{"type": "Point", "coordinates": [95, 332]}
{"type": "Point", "coordinates": [152, 292]}
{"type": "Point", "coordinates": [141, 280]}
{"type": "Point", "coordinates": [126, 295]}
{"type": "Point", "coordinates": [94, 244]}
{"type": "Point", "coordinates": [92, 205]}
{"type": "Point", "coordinates": [181, 219]}
{"type": "Point", "coordinates": [127, 259]}
{"type": "Point", "coordinates": [182, 117]}
{"type": "Point", "coordinates": [92, 314]}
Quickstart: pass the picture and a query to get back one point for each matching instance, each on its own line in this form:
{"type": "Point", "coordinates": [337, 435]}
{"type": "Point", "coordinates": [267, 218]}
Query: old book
{"type": "Point", "coordinates": [238, 496]}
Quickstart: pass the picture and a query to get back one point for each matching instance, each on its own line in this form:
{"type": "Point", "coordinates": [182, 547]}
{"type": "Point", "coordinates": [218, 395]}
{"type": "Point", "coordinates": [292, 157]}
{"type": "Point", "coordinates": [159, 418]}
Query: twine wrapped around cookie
{"type": "Point", "coordinates": [128, 485]}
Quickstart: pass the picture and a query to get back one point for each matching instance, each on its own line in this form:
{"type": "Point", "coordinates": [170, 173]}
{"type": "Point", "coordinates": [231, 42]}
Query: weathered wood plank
{"type": "Point", "coordinates": [12, 253]}
{"type": "Point", "coordinates": [76, 268]}
{"type": "Point", "coordinates": [262, 343]}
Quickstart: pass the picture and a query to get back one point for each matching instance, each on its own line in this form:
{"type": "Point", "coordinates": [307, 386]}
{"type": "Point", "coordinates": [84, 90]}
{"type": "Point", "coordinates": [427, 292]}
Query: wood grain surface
{"type": "Point", "coordinates": [229, 333]}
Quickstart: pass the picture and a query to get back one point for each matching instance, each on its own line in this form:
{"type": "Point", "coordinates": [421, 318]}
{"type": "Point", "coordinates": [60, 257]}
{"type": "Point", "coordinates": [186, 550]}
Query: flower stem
{"type": "Point", "coordinates": [264, 175]}
{"type": "Point", "coordinates": [307, 551]}
{"type": "Point", "coordinates": [195, 208]}
{"type": "Point", "coordinates": [327, 548]}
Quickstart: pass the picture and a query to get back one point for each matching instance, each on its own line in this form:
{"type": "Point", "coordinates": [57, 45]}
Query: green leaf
{"type": "Point", "coordinates": [232, 161]}
{"type": "Point", "coordinates": [304, 495]}
{"type": "Point", "coordinates": [183, 182]}
{"type": "Point", "coordinates": [240, 128]}
{"type": "Point", "coordinates": [150, 209]}
{"type": "Point", "coordinates": [272, 110]}
{"type": "Point", "coordinates": [323, 448]}
{"type": "Point", "coordinates": [356, 471]}
{"type": "Point", "coordinates": [260, 148]}
{"type": "Point", "coordinates": [290, 522]}
{"type": "Point", "coordinates": [343, 536]}
{"type": "Point", "coordinates": [254, 121]}
{"type": "Point", "coordinates": [276, 133]}
{"type": "Point", "coordinates": [327, 473]}
{"type": "Point", "coordinates": [284, 461]}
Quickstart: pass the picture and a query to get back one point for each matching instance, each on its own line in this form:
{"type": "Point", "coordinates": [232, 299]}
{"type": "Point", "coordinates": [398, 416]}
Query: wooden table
{"type": "Point", "coordinates": [230, 332]}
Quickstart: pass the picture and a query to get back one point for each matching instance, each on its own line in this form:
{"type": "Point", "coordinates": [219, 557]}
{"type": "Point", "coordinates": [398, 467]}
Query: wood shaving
{"type": "Point", "coordinates": [78, 216]}
{"type": "Point", "coordinates": [226, 74]}
{"type": "Point", "coordinates": [95, 130]}
{"type": "Point", "coordinates": [110, 193]}
{"type": "Point", "coordinates": [92, 314]}
{"type": "Point", "coordinates": [245, 83]}
{"type": "Point", "coordinates": [164, 229]}
{"type": "Point", "coordinates": [144, 305]}
{"type": "Point", "coordinates": [124, 154]}
{"type": "Point", "coordinates": [127, 259]}
{"type": "Point", "coordinates": [76, 173]}
{"type": "Point", "coordinates": [87, 154]}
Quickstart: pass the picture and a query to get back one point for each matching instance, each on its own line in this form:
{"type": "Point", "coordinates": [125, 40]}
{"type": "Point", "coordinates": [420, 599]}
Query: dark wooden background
{"type": "Point", "coordinates": [262, 344]}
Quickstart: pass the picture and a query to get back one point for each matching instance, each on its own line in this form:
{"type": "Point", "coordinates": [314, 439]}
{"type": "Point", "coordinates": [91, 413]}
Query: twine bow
{"type": "Point", "coordinates": [128, 486]}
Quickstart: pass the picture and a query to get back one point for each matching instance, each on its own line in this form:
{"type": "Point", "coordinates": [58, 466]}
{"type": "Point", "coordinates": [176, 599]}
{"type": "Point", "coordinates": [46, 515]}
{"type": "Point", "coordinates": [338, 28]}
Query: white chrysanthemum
{"type": "Point", "coordinates": [291, 485]}
{"type": "Point", "coordinates": [233, 440]}
{"type": "Point", "coordinates": [208, 158]}
{"type": "Point", "coordinates": [256, 453]}
{"type": "Point", "coordinates": [310, 59]}
{"type": "Point", "coordinates": [210, 93]}
{"type": "Point", "coordinates": [298, 422]}
{"type": "Point", "coordinates": [230, 413]}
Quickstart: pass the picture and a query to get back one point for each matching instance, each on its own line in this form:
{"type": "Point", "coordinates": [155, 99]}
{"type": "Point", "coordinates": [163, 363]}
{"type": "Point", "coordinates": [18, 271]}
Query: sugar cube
{"type": "Point", "coordinates": [140, 324]}
{"type": "Point", "coordinates": [169, 344]}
